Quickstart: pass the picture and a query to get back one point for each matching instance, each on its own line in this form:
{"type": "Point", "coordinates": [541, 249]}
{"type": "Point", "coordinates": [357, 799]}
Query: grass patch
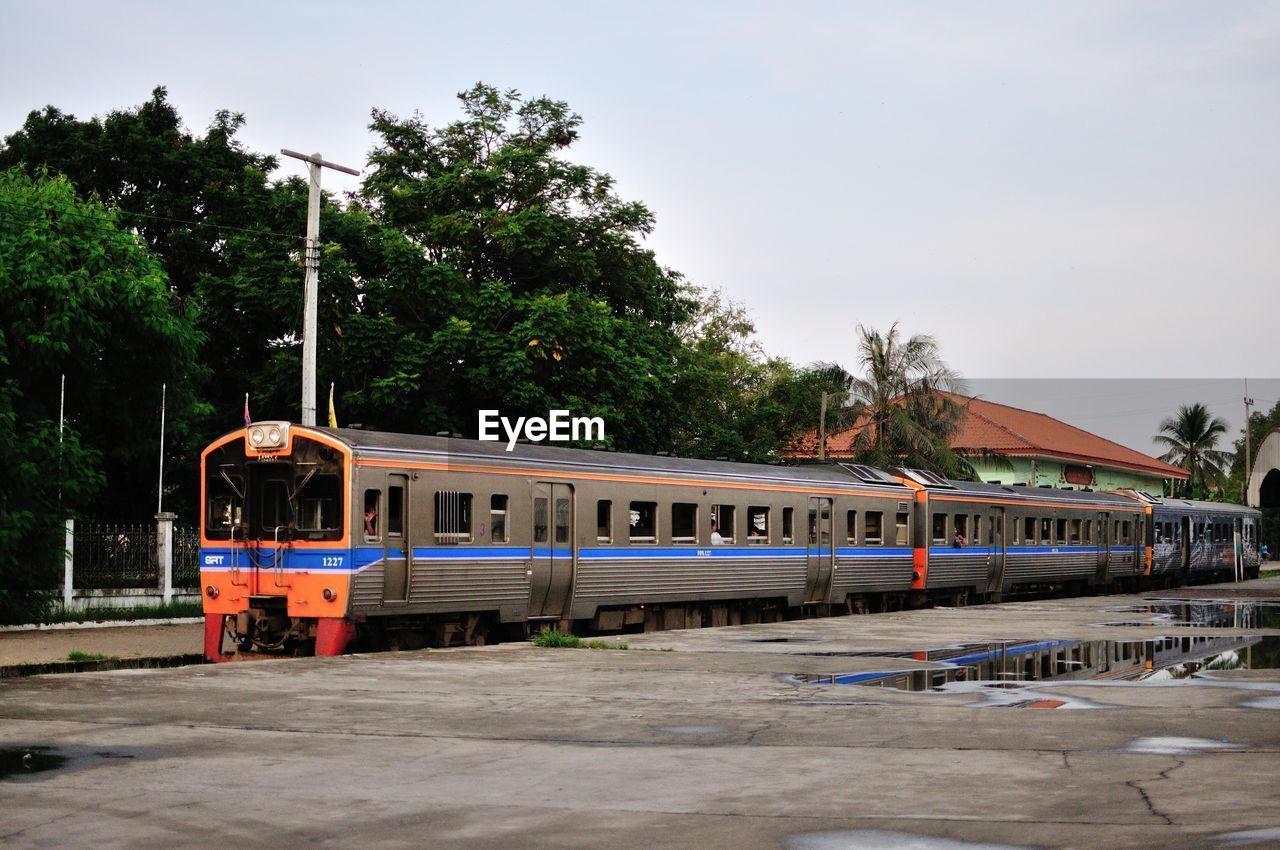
{"type": "Point", "coordinates": [551, 638]}
{"type": "Point", "coordinates": [139, 612]}
{"type": "Point", "coordinates": [77, 655]}
{"type": "Point", "coordinates": [1268, 573]}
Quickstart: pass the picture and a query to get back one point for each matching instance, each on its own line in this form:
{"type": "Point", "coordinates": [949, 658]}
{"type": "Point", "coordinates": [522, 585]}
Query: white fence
{"type": "Point", "coordinates": [118, 566]}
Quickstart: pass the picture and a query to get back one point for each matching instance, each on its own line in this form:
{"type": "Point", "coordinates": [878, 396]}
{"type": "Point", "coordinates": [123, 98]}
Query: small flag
{"type": "Point", "coordinates": [247, 420]}
{"type": "Point", "coordinates": [333, 414]}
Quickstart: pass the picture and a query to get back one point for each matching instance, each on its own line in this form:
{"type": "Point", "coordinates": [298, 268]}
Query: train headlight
{"type": "Point", "coordinates": [329, 594]}
{"type": "Point", "coordinates": [211, 591]}
{"type": "Point", "coordinates": [264, 436]}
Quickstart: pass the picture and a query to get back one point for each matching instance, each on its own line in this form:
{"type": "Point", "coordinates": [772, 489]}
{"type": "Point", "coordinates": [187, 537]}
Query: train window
{"type": "Point", "coordinates": [722, 518]}
{"type": "Point", "coordinates": [1168, 531]}
{"type": "Point", "coordinates": [1046, 530]}
{"type": "Point", "coordinates": [275, 505]}
{"type": "Point", "coordinates": [991, 531]}
{"type": "Point", "coordinates": [1015, 524]}
{"type": "Point", "coordinates": [1124, 531]}
{"type": "Point", "coordinates": [540, 520]}
{"type": "Point", "coordinates": [1061, 536]}
{"type": "Point", "coordinates": [939, 528]}
{"type": "Point", "coordinates": [316, 506]}
{"type": "Point", "coordinates": [851, 527]}
{"type": "Point", "coordinates": [903, 536]}
{"type": "Point", "coordinates": [643, 519]}
{"type": "Point", "coordinates": [604, 521]}
{"type": "Point", "coordinates": [788, 525]}
{"type": "Point", "coordinates": [684, 522]}
{"type": "Point", "coordinates": [873, 522]}
{"type": "Point", "coordinates": [758, 530]}
{"type": "Point", "coordinates": [824, 533]}
{"type": "Point", "coordinates": [498, 518]}
{"type": "Point", "coordinates": [395, 511]}
{"type": "Point", "coordinates": [961, 527]}
{"type": "Point", "coordinates": [1075, 532]}
{"type": "Point", "coordinates": [1088, 531]}
{"type": "Point", "coordinates": [371, 498]}
{"type": "Point", "coordinates": [563, 520]}
{"type": "Point", "coordinates": [225, 506]}
{"type": "Point", "coordinates": [1029, 530]}
{"type": "Point", "coordinates": [453, 517]}
{"type": "Point", "coordinates": [976, 537]}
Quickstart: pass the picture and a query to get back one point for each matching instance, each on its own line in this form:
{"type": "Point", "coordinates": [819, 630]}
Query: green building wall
{"type": "Point", "coordinates": [1040, 471]}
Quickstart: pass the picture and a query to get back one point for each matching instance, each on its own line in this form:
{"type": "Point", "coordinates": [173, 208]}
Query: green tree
{"type": "Point", "coordinates": [1191, 439]}
{"type": "Point", "coordinates": [902, 404]}
{"type": "Point", "coordinates": [512, 279]}
{"type": "Point", "coordinates": [80, 296]}
{"type": "Point", "coordinates": [736, 401]}
{"type": "Point", "coordinates": [230, 243]}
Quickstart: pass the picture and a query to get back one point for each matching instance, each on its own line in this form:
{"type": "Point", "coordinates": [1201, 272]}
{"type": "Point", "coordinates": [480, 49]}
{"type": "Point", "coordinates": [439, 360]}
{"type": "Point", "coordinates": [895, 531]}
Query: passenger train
{"type": "Point", "coordinates": [312, 538]}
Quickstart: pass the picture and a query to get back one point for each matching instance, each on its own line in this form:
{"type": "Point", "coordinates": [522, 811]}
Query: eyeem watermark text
{"type": "Point", "coordinates": [559, 427]}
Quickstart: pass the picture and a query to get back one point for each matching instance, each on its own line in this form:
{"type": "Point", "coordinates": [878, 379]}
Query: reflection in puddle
{"type": "Point", "coordinates": [1173, 746]}
{"type": "Point", "coordinates": [880, 839]}
{"type": "Point", "coordinates": [1015, 664]}
{"type": "Point", "coordinates": [1250, 838]}
{"type": "Point", "coordinates": [1212, 615]}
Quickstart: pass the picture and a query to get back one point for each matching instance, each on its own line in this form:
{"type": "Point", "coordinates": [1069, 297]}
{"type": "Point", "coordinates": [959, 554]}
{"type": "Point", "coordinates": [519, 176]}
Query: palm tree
{"type": "Point", "coordinates": [1191, 438]}
{"type": "Point", "coordinates": [902, 405]}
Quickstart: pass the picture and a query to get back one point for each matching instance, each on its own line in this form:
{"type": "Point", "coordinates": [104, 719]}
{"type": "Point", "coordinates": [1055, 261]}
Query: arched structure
{"type": "Point", "coordinates": [1264, 478]}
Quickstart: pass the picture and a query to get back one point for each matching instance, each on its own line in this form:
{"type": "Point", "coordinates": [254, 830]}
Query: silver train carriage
{"type": "Point", "coordinates": [311, 537]}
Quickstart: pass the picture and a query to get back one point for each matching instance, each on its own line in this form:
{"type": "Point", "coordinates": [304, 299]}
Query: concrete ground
{"type": "Point", "coordinates": [714, 743]}
{"type": "Point", "coordinates": [50, 645]}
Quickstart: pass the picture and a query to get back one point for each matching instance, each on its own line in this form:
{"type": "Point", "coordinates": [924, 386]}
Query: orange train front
{"type": "Point", "coordinates": [275, 541]}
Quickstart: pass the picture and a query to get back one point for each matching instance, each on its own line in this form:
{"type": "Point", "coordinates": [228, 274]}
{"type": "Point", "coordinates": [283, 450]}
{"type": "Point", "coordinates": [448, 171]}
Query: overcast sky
{"type": "Point", "coordinates": [1071, 190]}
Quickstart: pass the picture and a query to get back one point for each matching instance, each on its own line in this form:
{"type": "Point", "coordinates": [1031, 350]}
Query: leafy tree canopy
{"type": "Point", "coordinates": [81, 297]}
{"type": "Point", "coordinates": [513, 279]}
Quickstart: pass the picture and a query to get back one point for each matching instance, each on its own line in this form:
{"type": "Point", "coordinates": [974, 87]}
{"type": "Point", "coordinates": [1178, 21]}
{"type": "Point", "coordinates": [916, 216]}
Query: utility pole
{"type": "Point", "coordinates": [311, 283]}
{"type": "Point", "coordinates": [1248, 443]}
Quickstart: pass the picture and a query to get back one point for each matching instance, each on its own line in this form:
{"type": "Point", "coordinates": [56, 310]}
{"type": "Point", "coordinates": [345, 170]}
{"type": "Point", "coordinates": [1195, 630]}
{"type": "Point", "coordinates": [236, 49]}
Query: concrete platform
{"type": "Point", "coordinates": [713, 743]}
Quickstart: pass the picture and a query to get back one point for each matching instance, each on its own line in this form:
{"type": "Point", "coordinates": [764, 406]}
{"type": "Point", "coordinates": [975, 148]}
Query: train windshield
{"type": "Point", "coordinates": [295, 497]}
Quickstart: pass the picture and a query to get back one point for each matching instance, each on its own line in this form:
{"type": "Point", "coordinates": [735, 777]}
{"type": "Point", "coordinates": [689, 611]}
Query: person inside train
{"type": "Point", "coordinates": [716, 539]}
{"type": "Point", "coordinates": [371, 517]}
{"type": "Point", "coordinates": [958, 540]}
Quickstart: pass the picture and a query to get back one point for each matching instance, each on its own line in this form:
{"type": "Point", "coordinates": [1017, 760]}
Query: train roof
{"type": "Point", "coordinates": [1018, 492]}
{"type": "Point", "coordinates": [394, 445]}
{"type": "Point", "coordinates": [1167, 503]}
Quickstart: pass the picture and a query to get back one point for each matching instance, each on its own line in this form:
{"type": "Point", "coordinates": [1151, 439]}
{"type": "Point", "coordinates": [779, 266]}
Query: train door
{"type": "Point", "coordinates": [554, 550]}
{"type": "Point", "coordinates": [995, 582]}
{"type": "Point", "coordinates": [1238, 547]}
{"type": "Point", "coordinates": [821, 552]}
{"type": "Point", "coordinates": [1104, 547]}
{"type": "Point", "coordinates": [1184, 564]}
{"type": "Point", "coordinates": [268, 532]}
{"type": "Point", "coordinates": [397, 545]}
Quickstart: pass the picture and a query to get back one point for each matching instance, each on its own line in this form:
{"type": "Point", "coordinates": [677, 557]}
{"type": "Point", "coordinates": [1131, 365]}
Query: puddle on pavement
{"type": "Point", "coordinates": [1215, 614]}
{"type": "Point", "coordinates": [38, 761]}
{"type": "Point", "coordinates": [881, 839]}
{"type": "Point", "coordinates": [1174, 746]}
{"type": "Point", "coordinates": [783, 640]}
{"type": "Point", "coordinates": [27, 761]}
{"type": "Point", "coordinates": [1012, 665]}
{"type": "Point", "coordinates": [1250, 838]}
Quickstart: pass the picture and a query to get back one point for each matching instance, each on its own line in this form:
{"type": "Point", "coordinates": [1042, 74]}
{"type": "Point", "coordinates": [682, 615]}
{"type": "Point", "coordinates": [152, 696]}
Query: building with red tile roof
{"type": "Point", "coordinates": [1040, 450]}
